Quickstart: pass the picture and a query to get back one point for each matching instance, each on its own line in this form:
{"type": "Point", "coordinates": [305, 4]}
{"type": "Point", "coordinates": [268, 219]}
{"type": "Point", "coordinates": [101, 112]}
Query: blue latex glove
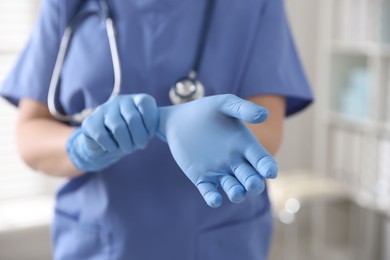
{"type": "Point", "coordinates": [214, 148]}
{"type": "Point", "coordinates": [116, 128]}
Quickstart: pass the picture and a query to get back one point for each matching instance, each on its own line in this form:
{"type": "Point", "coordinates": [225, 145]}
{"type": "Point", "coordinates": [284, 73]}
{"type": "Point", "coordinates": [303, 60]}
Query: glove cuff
{"type": "Point", "coordinates": [71, 150]}
{"type": "Point", "coordinates": [161, 128]}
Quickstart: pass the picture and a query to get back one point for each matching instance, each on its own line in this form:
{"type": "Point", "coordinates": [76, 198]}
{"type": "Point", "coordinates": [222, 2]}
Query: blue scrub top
{"type": "Point", "coordinates": [143, 207]}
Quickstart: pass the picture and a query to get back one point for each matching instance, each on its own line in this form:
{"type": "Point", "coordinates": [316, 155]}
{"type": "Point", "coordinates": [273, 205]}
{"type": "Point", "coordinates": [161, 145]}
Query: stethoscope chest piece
{"type": "Point", "coordinates": [186, 90]}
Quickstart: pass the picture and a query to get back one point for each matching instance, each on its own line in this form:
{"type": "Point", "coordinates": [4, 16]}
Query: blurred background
{"type": "Point", "coordinates": [331, 200]}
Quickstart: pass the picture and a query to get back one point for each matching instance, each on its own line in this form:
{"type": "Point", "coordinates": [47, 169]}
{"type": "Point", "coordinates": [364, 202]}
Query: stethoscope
{"type": "Point", "coordinates": [184, 90]}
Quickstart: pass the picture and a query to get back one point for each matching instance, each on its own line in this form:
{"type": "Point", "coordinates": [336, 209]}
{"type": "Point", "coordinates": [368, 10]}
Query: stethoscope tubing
{"type": "Point", "coordinates": [65, 42]}
{"type": "Point", "coordinates": [191, 88]}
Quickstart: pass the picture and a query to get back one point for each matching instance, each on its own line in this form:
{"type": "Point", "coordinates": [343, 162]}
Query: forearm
{"type": "Point", "coordinates": [270, 132]}
{"type": "Point", "coordinates": [116, 128]}
{"type": "Point", "coordinates": [41, 141]}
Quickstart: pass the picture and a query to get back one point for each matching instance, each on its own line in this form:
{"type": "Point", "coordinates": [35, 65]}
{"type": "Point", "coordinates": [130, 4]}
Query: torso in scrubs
{"type": "Point", "coordinates": [144, 207]}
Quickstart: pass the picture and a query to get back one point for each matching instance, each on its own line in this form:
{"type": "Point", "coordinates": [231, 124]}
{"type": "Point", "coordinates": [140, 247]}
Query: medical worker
{"type": "Point", "coordinates": [149, 179]}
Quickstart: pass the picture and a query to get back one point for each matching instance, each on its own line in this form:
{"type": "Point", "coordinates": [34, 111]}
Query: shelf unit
{"type": "Point", "coordinates": [352, 125]}
{"type": "Point", "coordinates": [353, 128]}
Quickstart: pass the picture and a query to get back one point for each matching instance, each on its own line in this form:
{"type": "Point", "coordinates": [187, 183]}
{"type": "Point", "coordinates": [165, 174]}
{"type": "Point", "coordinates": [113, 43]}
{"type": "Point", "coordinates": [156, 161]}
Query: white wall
{"type": "Point", "coordinates": [296, 151]}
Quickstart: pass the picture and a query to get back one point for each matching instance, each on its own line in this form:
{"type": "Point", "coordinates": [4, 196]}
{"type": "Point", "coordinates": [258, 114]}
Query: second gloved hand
{"type": "Point", "coordinates": [214, 148]}
{"type": "Point", "coordinates": [116, 128]}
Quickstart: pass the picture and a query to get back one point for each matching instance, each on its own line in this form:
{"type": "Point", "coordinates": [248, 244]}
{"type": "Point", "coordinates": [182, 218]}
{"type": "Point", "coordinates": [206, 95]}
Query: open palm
{"type": "Point", "coordinates": [213, 147]}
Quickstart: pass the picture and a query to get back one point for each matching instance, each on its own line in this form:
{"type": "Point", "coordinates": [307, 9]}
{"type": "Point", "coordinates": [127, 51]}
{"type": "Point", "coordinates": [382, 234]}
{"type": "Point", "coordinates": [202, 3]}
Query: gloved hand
{"type": "Point", "coordinates": [116, 128]}
{"type": "Point", "coordinates": [213, 147]}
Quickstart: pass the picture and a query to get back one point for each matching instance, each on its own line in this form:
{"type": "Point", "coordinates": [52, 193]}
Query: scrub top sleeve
{"type": "Point", "coordinates": [273, 66]}
{"type": "Point", "coordinates": [30, 77]}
